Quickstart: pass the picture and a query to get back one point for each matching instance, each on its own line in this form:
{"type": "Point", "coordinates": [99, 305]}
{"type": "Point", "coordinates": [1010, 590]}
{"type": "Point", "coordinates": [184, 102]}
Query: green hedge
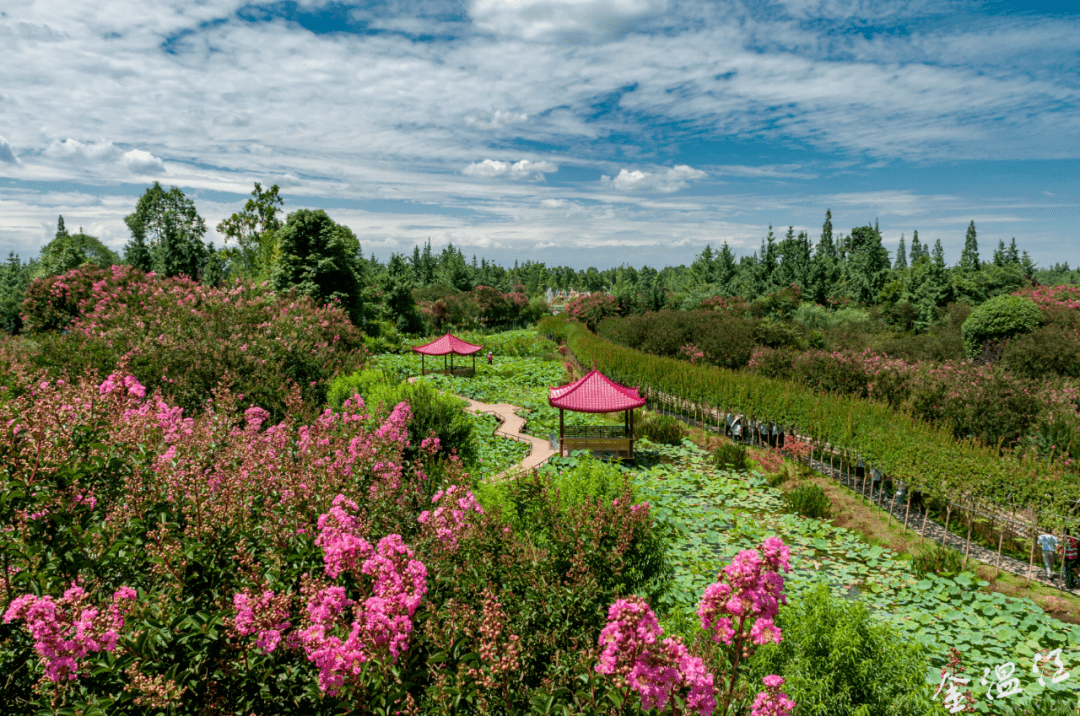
{"type": "Point", "coordinates": [923, 455]}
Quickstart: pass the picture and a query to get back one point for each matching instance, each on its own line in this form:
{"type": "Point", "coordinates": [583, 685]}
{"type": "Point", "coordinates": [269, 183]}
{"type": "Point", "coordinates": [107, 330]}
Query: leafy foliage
{"type": "Point", "coordinates": [185, 339]}
{"type": "Point", "coordinates": [835, 659]}
{"type": "Point", "coordinates": [1000, 318]}
{"type": "Point", "coordinates": [808, 501]}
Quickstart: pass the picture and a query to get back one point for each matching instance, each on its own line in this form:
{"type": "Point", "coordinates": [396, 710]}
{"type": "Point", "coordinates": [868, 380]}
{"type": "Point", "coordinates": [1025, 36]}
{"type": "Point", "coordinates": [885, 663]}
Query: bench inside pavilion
{"type": "Point", "coordinates": [596, 393]}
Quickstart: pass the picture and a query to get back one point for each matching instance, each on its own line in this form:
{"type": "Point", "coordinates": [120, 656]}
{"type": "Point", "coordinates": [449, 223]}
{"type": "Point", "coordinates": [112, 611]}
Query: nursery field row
{"type": "Point", "coordinates": [924, 456]}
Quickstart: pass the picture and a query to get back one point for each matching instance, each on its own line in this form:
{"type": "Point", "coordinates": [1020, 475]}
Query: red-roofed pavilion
{"type": "Point", "coordinates": [448, 345]}
{"type": "Point", "coordinates": [596, 393]}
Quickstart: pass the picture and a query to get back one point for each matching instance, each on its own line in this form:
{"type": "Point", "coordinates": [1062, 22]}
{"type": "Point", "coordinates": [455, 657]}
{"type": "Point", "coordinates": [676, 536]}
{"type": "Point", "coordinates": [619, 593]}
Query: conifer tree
{"type": "Point", "coordinates": [901, 255]}
{"type": "Point", "coordinates": [917, 249]}
{"type": "Point", "coordinates": [969, 258]}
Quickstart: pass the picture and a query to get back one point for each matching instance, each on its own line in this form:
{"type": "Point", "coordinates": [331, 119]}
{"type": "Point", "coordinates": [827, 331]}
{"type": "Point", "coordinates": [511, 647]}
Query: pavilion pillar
{"type": "Point", "coordinates": [422, 356]}
{"type": "Point", "coordinates": [560, 432]}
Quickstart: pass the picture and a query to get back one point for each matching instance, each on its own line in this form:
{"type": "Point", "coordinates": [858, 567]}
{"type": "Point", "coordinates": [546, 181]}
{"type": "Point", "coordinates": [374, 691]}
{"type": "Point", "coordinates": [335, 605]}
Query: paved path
{"type": "Point", "coordinates": [510, 426]}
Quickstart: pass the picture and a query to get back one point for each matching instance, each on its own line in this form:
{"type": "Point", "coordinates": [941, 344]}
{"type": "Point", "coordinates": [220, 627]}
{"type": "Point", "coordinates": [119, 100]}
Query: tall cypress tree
{"type": "Point", "coordinates": [938, 255]}
{"type": "Point", "coordinates": [901, 255]}
{"type": "Point", "coordinates": [917, 249]}
{"type": "Point", "coordinates": [969, 258]}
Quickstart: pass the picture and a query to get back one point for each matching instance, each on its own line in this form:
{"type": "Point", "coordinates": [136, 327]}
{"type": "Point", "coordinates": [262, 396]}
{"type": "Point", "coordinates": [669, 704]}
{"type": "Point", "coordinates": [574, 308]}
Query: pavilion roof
{"type": "Point", "coordinates": [445, 345]}
{"type": "Point", "coordinates": [595, 393]}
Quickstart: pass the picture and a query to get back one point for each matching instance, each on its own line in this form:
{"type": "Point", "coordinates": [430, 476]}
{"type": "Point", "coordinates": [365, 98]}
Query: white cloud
{"type": "Point", "coordinates": [535, 19]}
{"type": "Point", "coordinates": [497, 119]}
{"type": "Point", "coordinates": [142, 162]}
{"type": "Point", "coordinates": [72, 150]}
{"type": "Point", "coordinates": [7, 156]}
{"type": "Point", "coordinates": [673, 179]}
{"type": "Point", "coordinates": [553, 203]}
{"type": "Point", "coordinates": [522, 170]}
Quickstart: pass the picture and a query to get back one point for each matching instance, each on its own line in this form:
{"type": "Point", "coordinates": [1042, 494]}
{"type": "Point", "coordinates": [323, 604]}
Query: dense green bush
{"type": "Point", "coordinates": [659, 428]}
{"type": "Point", "coordinates": [731, 457]}
{"type": "Point", "coordinates": [836, 660]}
{"type": "Point", "coordinates": [808, 501]}
{"type": "Point", "coordinates": [433, 412]}
{"type": "Point", "coordinates": [999, 319]}
{"type": "Point", "coordinates": [540, 503]}
{"type": "Point", "coordinates": [937, 559]}
{"type": "Point", "coordinates": [1045, 352]}
{"type": "Point", "coordinates": [725, 339]}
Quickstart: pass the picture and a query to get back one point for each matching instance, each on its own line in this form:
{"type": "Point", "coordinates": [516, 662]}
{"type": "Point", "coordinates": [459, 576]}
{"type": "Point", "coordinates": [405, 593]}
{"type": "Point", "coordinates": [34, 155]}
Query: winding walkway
{"type": "Point", "coordinates": [510, 426]}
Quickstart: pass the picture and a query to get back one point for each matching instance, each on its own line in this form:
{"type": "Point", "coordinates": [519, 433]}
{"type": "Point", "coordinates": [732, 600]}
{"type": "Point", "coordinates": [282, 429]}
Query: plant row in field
{"type": "Point", "coordinates": [923, 455]}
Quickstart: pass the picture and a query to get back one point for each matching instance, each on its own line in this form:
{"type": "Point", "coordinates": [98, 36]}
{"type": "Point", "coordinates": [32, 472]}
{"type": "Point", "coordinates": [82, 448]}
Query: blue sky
{"type": "Point", "coordinates": [579, 132]}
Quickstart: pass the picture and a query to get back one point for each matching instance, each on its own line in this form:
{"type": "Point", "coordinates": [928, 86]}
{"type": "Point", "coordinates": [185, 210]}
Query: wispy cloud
{"type": "Point", "coordinates": [438, 104]}
{"type": "Point", "coordinates": [522, 170]}
{"type": "Point", "coordinates": [673, 179]}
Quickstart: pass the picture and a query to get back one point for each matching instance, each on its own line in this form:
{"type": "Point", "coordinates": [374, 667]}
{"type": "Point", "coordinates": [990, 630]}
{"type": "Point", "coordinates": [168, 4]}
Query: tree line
{"type": "Point", "coordinates": [310, 252]}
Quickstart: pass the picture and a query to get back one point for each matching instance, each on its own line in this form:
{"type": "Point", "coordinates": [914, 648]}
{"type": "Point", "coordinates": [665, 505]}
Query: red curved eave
{"type": "Point", "coordinates": [595, 393]}
{"type": "Point", "coordinates": [446, 345]}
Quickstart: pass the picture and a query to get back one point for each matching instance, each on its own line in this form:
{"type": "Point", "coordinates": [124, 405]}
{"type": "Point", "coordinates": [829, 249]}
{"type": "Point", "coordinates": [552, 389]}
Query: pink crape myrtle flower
{"type": "Point", "coordinates": [633, 654]}
{"type": "Point", "coordinates": [263, 616]}
{"type": "Point", "coordinates": [451, 518]}
{"type": "Point", "coordinates": [381, 623]}
{"type": "Point", "coordinates": [69, 629]}
{"type": "Point", "coordinates": [772, 701]}
{"type": "Point", "coordinates": [748, 588]}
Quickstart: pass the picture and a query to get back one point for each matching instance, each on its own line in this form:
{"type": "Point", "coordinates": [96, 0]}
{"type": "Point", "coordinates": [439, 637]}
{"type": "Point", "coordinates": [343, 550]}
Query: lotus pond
{"type": "Point", "coordinates": [712, 513]}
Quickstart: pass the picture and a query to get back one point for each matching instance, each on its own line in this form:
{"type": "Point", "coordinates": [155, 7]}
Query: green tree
{"type": "Point", "coordinates": [825, 268]}
{"type": "Point", "coordinates": [901, 255]}
{"type": "Point", "coordinates": [167, 234]}
{"type": "Point", "coordinates": [68, 251]}
{"type": "Point", "coordinates": [319, 258]}
{"type": "Point", "coordinates": [969, 258]}
{"type": "Point", "coordinates": [917, 249]}
{"type": "Point", "coordinates": [14, 278]}
{"type": "Point", "coordinates": [396, 285]}
{"type": "Point", "coordinates": [253, 229]}
{"type": "Point", "coordinates": [867, 268]}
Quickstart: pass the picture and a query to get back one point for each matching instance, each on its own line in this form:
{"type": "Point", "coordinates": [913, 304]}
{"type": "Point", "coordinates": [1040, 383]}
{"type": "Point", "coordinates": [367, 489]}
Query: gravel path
{"type": "Point", "coordinates": [510, 426]}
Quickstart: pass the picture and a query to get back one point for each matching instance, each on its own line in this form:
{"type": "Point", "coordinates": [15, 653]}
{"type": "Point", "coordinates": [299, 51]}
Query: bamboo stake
{"type": "Point", "coordinates": [1001, 539]}
{"type": "Point", "coordinates": [926, 515]}
{"type": "Point", "coordinates": [907, 513]}
{"type": "Point", "coordinates": [1031, 562]}
{"type": "Point", "coordinates": [971, 523]}
{"type": "Point", "coordinates": [892, 505]}
{"type": "Point", "coordinates": [948, 516]}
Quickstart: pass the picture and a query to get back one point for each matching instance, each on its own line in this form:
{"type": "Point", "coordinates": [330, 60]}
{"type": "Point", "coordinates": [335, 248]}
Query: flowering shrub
{"type": "Point", "coordinates": [69, 629]}
{"type": "Point", "coordinates": [185, 339]}
{"type": "Point", "coordinates": [636, 659]}
{"type": "Point", "coordinates": [737, 611]}
{"type": "Point", "coordinates": [592, 309]}
{"type": "Point", "coordinates": [295, 566]}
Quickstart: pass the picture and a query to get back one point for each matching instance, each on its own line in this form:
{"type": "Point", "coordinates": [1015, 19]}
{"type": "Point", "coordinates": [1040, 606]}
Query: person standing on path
{"type": "Point", "coordinates": [1048, 543]}
{"type": "Point", "coordinates": [1070, 556]}
{"type": "Point", "coordinates": [489, 358]}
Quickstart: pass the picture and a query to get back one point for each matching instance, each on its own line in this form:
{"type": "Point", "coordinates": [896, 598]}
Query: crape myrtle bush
{"type": "Point", "coordinates": [224, 563]}
{"type": "Point", "coordinates": [723, 339]}
{"type": "Point", "coordinates": [981, 401]}
{"type": "Point", "coordinates": [484, 306]}
{"type": "Point", "coordinates": [183, 338]}
{"type": "Point", "coordinates": [433, 413]}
